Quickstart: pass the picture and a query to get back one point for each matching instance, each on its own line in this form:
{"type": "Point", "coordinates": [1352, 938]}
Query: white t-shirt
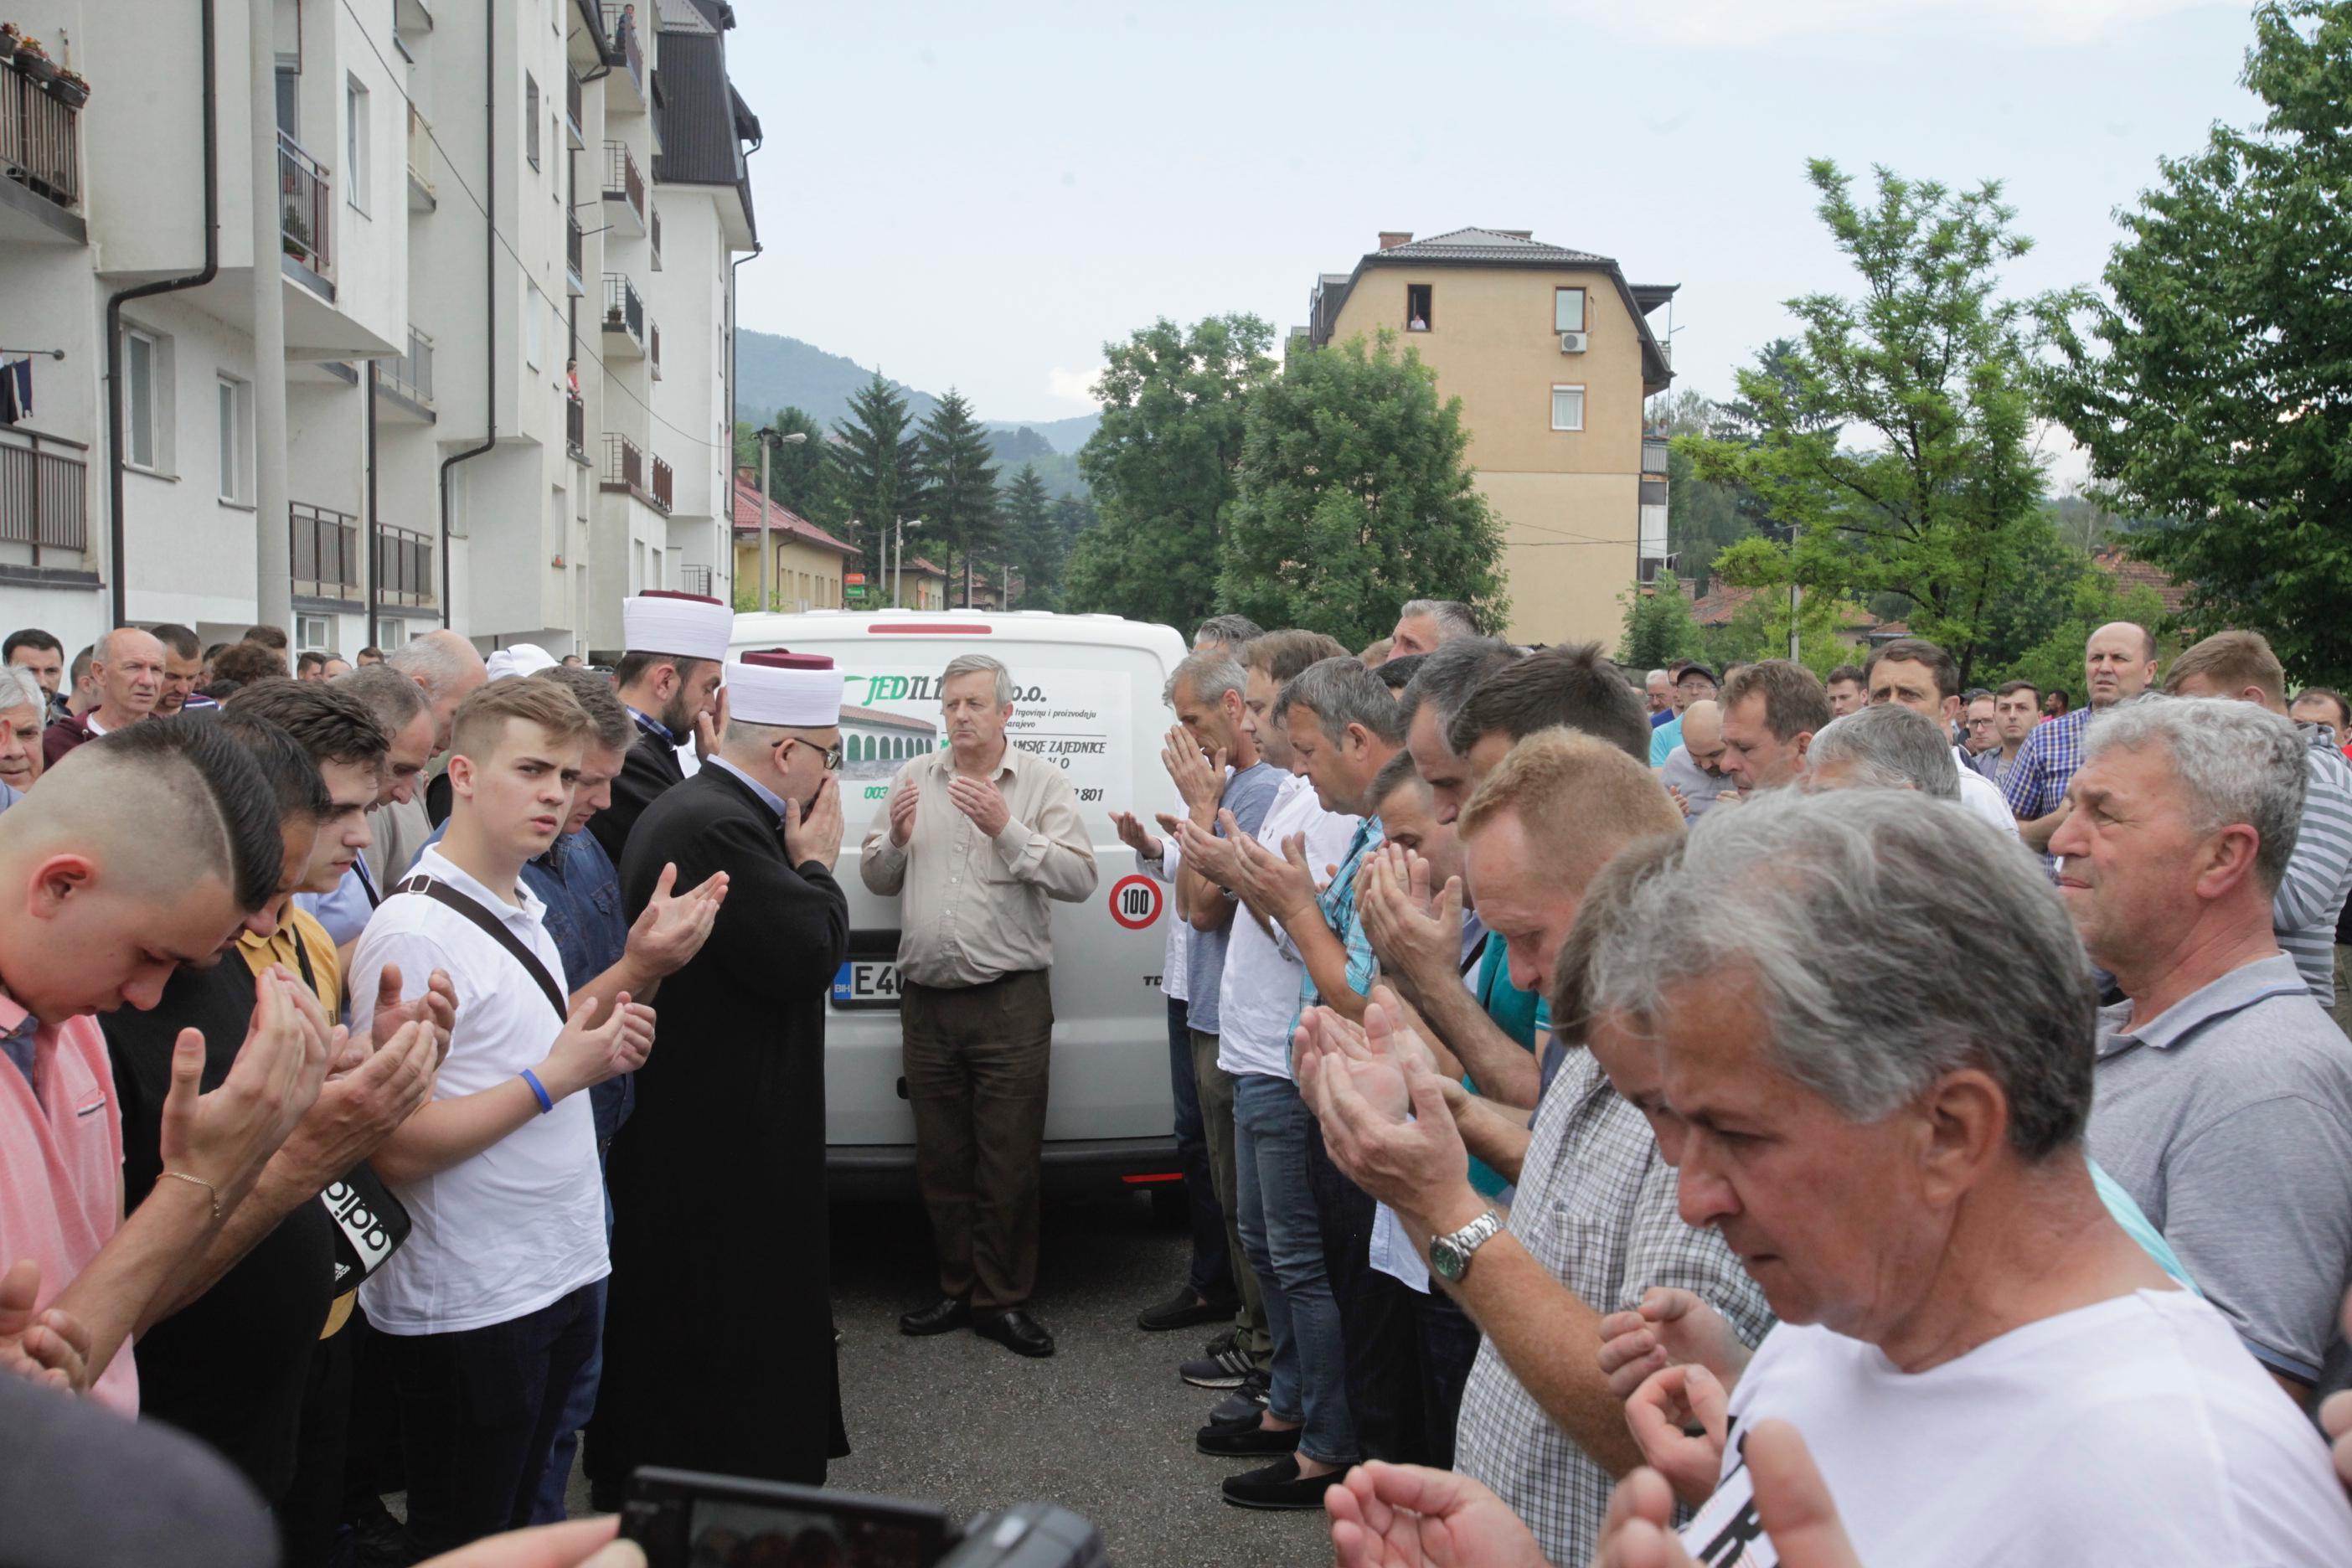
{"type": "Point", "coordinates": [521, 1224]}
{"type": "Point", "coordinates": [1982, 797]}
{"type": "Point", "coordinates": [1179, 960]}
{"type": "Point", "coordinates": [1259, 996]}
{"type": "Point", "coordinates": [2137, 1430]}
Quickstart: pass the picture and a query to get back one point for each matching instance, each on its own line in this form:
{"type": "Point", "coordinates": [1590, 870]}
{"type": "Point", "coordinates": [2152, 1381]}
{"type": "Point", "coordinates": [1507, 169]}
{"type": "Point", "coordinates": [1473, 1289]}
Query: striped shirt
{"type": "Point", "coordinates": [2319, 873]}
{"type": "Point", "coordinates": [1338, 901]}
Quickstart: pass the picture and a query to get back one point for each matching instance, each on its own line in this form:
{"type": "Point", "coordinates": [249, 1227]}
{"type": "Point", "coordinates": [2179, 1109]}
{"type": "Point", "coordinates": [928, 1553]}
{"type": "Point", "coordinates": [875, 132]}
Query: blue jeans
{"type": "Point", "coordinates": [579, 1404]}
{"type": "Point", "coordinates": [1211, 1277]}
{"type": "Point", "coordinates": [1285, 1243]}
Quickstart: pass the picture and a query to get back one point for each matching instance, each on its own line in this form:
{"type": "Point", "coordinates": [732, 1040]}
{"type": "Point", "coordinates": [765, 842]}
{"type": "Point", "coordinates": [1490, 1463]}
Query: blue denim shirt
{"type": "Point", "coordinates": [576, 881]}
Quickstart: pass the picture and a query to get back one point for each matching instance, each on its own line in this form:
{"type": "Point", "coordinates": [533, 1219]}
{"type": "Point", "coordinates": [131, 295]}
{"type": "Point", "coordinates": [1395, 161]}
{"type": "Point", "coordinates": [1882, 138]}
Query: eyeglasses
{"type": "Point", "coordinates": [833, 753]}
{"type": "Point", "coordinates": [1974, 722]}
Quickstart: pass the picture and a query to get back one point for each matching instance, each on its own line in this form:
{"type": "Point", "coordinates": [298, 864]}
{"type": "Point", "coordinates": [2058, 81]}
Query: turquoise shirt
{"type": "Point", "coordinates": [1518, 1014]}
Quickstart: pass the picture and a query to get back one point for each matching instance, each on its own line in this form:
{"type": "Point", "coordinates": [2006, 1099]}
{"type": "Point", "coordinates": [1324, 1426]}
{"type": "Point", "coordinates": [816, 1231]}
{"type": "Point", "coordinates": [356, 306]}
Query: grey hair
{"type": "Point", "coordinates": [391, 696]}
{"type": "Point", "coordinates": [1656, 675]}
{"type": "Point", "coordinates": [1210, 675]}
{"type": "Point", "coordinates": [2238, 763]}
{"type": "Point", "coordinates": [1889, 746]}
{"type": "Point", "coordinates": [980, 664]}
{"type": "Point", "coordinates": [1890, 941]}
{"type": "Point", "coordinates": [1446, 677]}
{"type": "Point", "coordinates": [1228, 631]}
{"type": "Point", "coordinates": [22, 689]}
{"type": "Point", "coordinates": [1339, 692]}
{"type": "Point", "coordinates": [439, 659]}
{"type": "Point", "coordinates": [1455, 618]}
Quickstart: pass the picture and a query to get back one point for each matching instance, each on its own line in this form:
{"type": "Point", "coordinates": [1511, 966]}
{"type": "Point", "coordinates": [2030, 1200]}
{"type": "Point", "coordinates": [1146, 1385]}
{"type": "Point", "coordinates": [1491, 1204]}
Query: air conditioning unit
{"type": "Point", "coordinates": [1572, 343]}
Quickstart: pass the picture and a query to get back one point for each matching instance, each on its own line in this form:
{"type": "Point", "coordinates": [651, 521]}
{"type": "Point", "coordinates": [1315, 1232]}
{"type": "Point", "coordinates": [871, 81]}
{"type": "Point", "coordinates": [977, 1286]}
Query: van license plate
{"type": "Point", "coordinates": [865, 983]}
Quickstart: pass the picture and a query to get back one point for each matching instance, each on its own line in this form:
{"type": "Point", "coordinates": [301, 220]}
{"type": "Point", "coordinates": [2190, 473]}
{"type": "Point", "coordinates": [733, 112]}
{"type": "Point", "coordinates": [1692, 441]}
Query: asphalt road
{"type": "Point", "coordinates": [1104, 1426]}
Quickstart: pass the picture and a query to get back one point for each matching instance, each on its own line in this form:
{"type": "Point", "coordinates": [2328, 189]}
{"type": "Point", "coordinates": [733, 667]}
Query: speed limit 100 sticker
{"type": "Point", "coordinates": [1135, 902]}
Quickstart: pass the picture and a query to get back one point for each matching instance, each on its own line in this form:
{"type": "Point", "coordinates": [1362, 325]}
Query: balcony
{"type": "Point", "coordinates": [403, 568]}
{"type": "Point", "coordinates": [625, 469]}
{"type": "Point", "coordinates": [325, 546]}
{"type": "Point", "coordinates": [664, 487]}
{"type": "Point", "coordinates": [575, 427]}
{"type": "Point", "coordinates": [653, 227]}
{"type": "Point", "coordinates": [43, 496]}
{"type": "Point", "coordinates": [421, 196]}
{"type": "Point", "coordinates": [696, 580]}
{"type": "Point", "coordinates": [41, 141]}
{"type": "Point", "coordinates": [625, 190]}
{"type": "Point", "coordinates": [625, 319]}
{"type": "Point", "coordinates": [306, 204]}
{"type": "Point", "coordinates": [575, 249]}
{"type": "Point", "coordinates": [1653, 456]}
{"type": "Point", "coordinates": [572, 122]}
{"type": "Point", "coordinates": [406, 383]}
{"type": "Point", "coordinates": [625, 89]}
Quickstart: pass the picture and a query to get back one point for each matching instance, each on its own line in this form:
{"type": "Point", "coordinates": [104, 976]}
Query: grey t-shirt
{"type": "Point", "coordinates": [1699, 787]}
{"type": "Point", "coordinates": [2228, 1120]}
{"type": "Point", "coordinates": [1249, 795]}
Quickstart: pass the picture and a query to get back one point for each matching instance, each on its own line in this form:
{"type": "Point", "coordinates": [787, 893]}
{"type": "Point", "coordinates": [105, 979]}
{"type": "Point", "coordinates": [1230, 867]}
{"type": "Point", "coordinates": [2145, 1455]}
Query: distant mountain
{"type": "Point", "coordinates": [773, 371]}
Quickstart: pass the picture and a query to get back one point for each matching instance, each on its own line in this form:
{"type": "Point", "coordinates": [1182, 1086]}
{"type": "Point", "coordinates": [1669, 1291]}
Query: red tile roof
{"type": "Point", "coordinates": [1719, 603]}
{"type": "Point", "coordinates": [2129, 573]}
{"type": "Point", "coordinates": [782, 519]}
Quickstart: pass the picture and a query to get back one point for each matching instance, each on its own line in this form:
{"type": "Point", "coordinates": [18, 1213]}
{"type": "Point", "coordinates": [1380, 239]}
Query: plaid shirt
{"type": "Point", "coordinates": [1596, 1207]}
{"type": "Point", "coordinates": [1338, 901]}
{"type": "Point", "coordinates": [2045, 766]}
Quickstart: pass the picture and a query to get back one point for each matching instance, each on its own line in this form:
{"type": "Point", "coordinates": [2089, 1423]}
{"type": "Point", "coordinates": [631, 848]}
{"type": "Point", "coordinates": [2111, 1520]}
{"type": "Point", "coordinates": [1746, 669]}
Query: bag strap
{"type": "Point", "coordinates": [495, 928]}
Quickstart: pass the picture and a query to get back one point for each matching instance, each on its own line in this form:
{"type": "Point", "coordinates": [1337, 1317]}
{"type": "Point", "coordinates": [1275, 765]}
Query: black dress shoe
{"type": "Point", "coordinates": [941, 1315]}
{"type": "Point", "coordinates": [1181, 1310]}
{"type": "Point", "coordinates": [1016, 1331]}
{"type": "Point", "coordinates": [1249, 1442]}
{"type": "Point", "coordinates": [1244, 1405]}
{"type": "Point", "coordinates": [1280, 1486]}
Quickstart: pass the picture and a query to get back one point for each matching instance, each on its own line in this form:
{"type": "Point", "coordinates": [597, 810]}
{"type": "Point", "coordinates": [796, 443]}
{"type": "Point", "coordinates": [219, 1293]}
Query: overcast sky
{"type": "Point", "coordinates": [979, 195]}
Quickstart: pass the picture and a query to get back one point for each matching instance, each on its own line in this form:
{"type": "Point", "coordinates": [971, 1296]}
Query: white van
{"type": "Point", "coordinates": [1087, 697]}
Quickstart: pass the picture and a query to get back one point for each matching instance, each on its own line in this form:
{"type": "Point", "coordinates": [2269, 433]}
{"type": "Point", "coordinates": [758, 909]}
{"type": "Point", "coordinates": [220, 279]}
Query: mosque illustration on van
{"type": "Point", "coordinates": [874, 742]}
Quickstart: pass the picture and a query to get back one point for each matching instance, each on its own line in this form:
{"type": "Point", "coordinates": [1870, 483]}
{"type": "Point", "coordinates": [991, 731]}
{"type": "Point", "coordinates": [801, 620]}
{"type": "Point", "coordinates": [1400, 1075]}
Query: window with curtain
{"type": "Point", "coordinates": [1568, 408]}
{"type": "Point", "coordinates": [1568, 309]}
{"type": "Point", "coordinates": [139, 421]}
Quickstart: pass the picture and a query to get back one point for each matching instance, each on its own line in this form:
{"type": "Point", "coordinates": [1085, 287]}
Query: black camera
{"type": "Point", "coordinates": [686, 1519]}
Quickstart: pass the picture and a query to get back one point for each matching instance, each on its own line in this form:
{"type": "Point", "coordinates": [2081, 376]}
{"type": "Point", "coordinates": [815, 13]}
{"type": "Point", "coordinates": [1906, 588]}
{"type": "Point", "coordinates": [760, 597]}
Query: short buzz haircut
{"type": "Point", "coordinates": [1888, 751]}
{"type": "Point", "coordinates": [177, 639]}
{"type": "Point", "coordinates": [609, 724]}
{"type": "Point", "coordinates": [1918, 650]}
{"type": "Point", "coordinates": [248, 663]}
{"type": "Point", "coordinates": [481, 721]}
{"type": "Point", "coordinates": [1395, 774]}
{"type": "Point", "coordinates": [1579, 799]}
{"type": "Point", "coordinates": [333, 725]}
{"type": "Point", "coordinates": [1210, 675]}
{"type": "Point", "coordinates": [2233, 661]}
{"type": "Point", "coordinates": [1396, 674]}
{"type": "Point", "coordinates": [391, 696]}
{"type": "Point", "coordinates": [310, 659]}
{"type": "Point", "coordinates": [1445, 678]}
{"type": "Point", "coordinates": [1285, 655]}
{"type": "Point", "coordinates": [2011, 688]}
{"type": "Point", "coordinates": [1228, 631]}
{"type": "Point", "coordinates": [1454, 618]}
{"type": "Point", "coordinates": [1571, 685]}
{"type": "Point", "coordinates": [267, 636]}
{"type": "Point", "coordinates": [1598, 909]}
{"type": "Point", "coordinates": [32, 637]}
{"type": "Point", "coordinates": [979, 664]}
{"type": "Point", "coordinates": [292, 772]}
{"type": "Point", "coordinates": [1341, 691]}
{"type": "Point", "coordinates": [637, 664]}
{"type": "Point", "coordinates": [81, 662]}
{"type": "Point", "coordinates": [226, 807]}
{"type": "Point", "coordinates": [1847, 672]}
{"type": "Point", "coordinates": [1796, 701]}
{"type": "Point", "coordinates": [2237, 762]}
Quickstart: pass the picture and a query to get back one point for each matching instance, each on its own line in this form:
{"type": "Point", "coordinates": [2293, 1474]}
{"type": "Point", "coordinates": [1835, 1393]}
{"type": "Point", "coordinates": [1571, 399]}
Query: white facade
{"type": "Point", "coordinates": [390, 280]}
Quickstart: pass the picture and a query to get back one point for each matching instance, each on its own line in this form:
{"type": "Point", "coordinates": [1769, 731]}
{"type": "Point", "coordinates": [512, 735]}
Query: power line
{"type": "Point", "coordinates": [521, 267]}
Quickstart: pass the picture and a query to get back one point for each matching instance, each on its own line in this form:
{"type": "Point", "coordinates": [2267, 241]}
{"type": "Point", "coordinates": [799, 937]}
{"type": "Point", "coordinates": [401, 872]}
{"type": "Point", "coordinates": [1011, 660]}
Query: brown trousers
{"type": "Point", "coordinates": [977, 1060]}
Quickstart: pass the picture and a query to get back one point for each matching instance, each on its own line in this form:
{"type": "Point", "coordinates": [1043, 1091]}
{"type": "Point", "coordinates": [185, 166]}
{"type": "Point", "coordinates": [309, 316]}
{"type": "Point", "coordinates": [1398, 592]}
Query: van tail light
{"type": "Point", "coordinates": [927, 628]}
{"type": "Point", "coordinates": [1158, 1177]}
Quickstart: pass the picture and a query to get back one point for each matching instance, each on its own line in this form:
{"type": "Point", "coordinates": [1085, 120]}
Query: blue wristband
{"type": "Point", "coordinates": [539, 1091]}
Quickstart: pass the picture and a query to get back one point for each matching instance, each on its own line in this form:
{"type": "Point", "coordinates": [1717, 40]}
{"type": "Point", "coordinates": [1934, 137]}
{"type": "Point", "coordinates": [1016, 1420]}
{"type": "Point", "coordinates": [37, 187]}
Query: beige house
{"type": "Point", "coordinates": [809, 561]}
{"type": "Point", "coordinates": [1551, 353]}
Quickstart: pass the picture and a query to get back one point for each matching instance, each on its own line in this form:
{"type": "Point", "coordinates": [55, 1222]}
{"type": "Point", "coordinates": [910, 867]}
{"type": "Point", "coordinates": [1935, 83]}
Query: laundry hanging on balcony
{"type": "Point", "coordinates": [15, 391]}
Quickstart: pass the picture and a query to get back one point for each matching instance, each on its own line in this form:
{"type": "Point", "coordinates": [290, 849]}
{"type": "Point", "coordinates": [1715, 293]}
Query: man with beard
{"type": "Point", "coordinates": [725, 1149]}
{"type": "Point", "coordinates": [668, 680]}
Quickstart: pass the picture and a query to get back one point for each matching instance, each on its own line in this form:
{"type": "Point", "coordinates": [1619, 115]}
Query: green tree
{"type": "Point", "coordinates": [1936, 377]}
{"type": "Point", "coordinates": [874, 464]}
{"type": "Point", "coordinates": [959, 501]}
{"type": "Point", "coordinates": [1033, 546]}
{"type": "Point", "coordinates": [1162, 466]}
{"type": "Point", "coordinates": [800, 473]}
{"type": "Point", "coordinates": [2214, 401]}
{"type": "Point", "coordinates": [1354, 496]}
{"type": "Point", "coordinates": [1658, 626]}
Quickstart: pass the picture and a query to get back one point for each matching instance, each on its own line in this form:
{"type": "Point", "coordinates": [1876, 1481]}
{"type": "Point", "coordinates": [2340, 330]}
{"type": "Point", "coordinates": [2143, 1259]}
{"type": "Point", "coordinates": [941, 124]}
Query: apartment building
{"type": "Point", "coordinates": [432, 212]}
{"type": "Point", "coordinates": [1552, 353]}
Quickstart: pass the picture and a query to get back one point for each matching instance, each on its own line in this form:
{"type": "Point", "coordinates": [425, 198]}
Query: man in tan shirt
{"type": "Point", "coordinates": [974, 840]}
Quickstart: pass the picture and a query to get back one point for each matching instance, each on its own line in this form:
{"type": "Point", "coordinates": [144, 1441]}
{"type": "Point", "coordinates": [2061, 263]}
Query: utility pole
{"type": "Point", "coordinates": [1796, 601]}
{"type": "Point", "coordinates": [273, 555]}
{"type": "Point", "coordinates": [769, 440]}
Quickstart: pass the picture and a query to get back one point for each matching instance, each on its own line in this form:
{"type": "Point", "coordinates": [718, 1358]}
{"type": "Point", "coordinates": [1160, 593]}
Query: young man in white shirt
{"type": "Point", "coordinates": [490, 1310]}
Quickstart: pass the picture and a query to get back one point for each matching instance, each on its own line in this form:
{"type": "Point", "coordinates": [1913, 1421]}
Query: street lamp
{"type": "Point", "coordinates": [898, 583]}
{"type": "Point", "coordinates": [770, 439]}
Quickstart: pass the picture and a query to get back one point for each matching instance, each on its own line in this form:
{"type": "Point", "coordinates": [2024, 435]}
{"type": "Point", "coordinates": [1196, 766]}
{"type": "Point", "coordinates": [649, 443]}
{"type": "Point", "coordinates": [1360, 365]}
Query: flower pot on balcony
{"type": "Point", "coordinates": [33, 63]}
{"type": "Point", "coordinates": [69, 90]}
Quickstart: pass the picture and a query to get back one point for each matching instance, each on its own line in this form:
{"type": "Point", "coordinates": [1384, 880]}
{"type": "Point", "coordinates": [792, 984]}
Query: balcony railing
{"type": "Point", "coordinates": [623, 182]}
{"type": "Point", "coordinates": [664, 487]}
{"type": "Point", "coordinates": [575, 249]}
{"type": "Point", "coordinates": [306, 201]}
{"type": "Point", "coordinates": [326, 547]}
{"type": "Point", "coordinates": [40, 140]}
{"type": "Point", "coordinates": [653, 226]}
{"type": "Point", "coordinates": [1654, 457]}
{"type": "Point", "coordinates": [624, 308]}
{"type": "Point", "coordinates": [403, 567]}
{"type": "Point", "coordinates": [575, 426]}
{"type": "Point", "coordinates": [620, 25]}
{"type": "Point", "coordinates": [624, 465]}
{"type": "Point", "coordinates": [44, 497]}
{"type": "Point", "coordinates": [412, 372]}
{"type": "Point", "coordinates": [696, 580]}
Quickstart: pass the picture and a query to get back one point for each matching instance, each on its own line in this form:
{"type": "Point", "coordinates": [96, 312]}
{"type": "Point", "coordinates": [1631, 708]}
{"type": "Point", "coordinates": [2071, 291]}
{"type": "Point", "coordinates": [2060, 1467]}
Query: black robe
{"type": "Point", "coordinates": [719, 1351]}
{"type": "Point", "coordinates": [647, 774]}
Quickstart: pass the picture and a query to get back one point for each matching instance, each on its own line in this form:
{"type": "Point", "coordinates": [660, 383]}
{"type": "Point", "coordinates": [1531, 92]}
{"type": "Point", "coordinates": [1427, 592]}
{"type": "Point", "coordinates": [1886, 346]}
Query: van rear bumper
{"type": "Point", "coordinates": [888, 1170]}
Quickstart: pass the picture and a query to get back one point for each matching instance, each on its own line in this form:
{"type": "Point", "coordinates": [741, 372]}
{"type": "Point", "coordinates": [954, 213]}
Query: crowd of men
{"type": "Point", "coordinates": [1718, 1117]}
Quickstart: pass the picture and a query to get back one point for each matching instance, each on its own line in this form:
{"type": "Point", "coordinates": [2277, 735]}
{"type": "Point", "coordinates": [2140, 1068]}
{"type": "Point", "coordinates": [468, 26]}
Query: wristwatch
{"type": "Point", "coordinates": [1449, 1256]}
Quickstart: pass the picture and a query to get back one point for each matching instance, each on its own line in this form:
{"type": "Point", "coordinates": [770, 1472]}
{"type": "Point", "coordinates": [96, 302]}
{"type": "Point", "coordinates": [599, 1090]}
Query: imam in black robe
{"type": "Point", "coordinates": [718, 1350]}
{"type": "Point", "coordinates": [647, 773]}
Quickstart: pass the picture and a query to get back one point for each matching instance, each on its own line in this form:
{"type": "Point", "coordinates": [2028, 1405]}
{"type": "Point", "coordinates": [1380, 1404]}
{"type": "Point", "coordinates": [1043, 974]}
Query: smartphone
{"type": "Point", "coordinates": [685, 1518]}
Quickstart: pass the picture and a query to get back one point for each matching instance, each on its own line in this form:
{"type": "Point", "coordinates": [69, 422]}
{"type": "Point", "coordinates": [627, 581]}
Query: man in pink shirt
{"type": "Point", "coordinates": [155, 846]}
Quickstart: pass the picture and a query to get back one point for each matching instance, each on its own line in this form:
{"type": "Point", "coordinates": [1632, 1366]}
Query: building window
{"type": "Point", "coordinates": [390, 634]}
{"type": "Point", "coordinates": [531, 327]}
{"type": "Point", "coordinates": [234, 406]}
{"type": "Point", "coordinates": [1568, 408]}
{"type": "Point", "coordinates": [144, 411]}
{"type": "Point", "coordinates": [290, 97]}
{"type": "Point", "coordinates": [1417, 303]}
{"type": "Point", "coordinates": [1568, 309]}
{"type": "Point", "coordinates": [314, 634]}
{"type": "Point", "coordinates": [355, 146]}
{"type": "Point", "coordinates": [530, 119]}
